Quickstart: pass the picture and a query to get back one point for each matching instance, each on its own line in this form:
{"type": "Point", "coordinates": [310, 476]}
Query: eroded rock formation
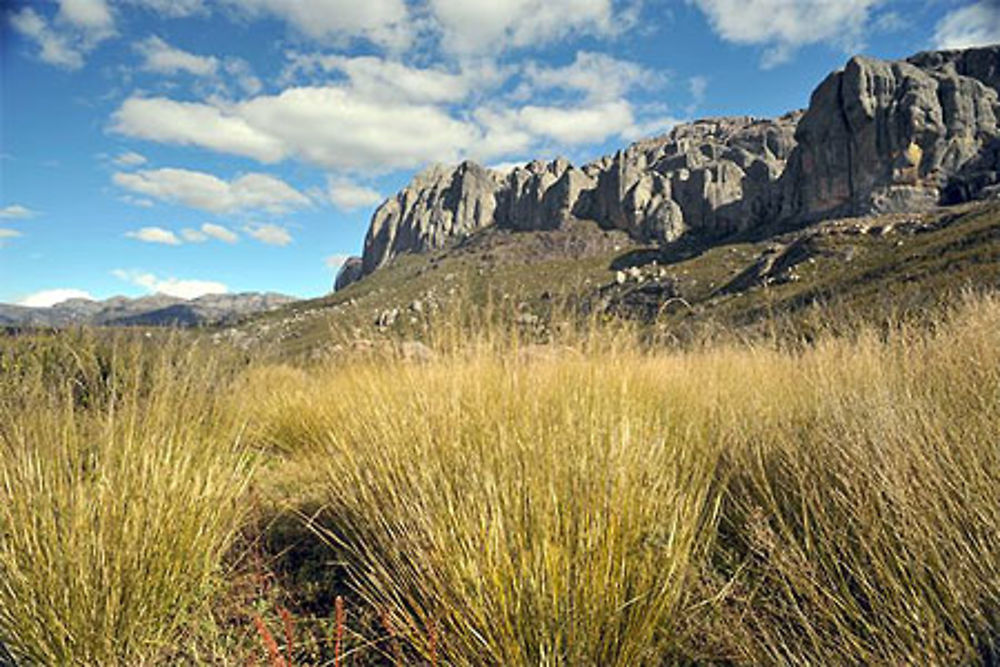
{"type": "Point", "coordinates": [877, 137]}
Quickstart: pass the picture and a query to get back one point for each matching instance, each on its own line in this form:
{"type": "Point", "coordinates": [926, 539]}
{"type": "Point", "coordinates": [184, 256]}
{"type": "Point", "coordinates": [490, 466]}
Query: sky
{"type": "Point", "coordinates": [189, 147]}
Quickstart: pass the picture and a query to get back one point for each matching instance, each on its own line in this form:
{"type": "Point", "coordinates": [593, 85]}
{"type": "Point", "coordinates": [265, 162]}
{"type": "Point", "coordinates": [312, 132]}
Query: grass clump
{"type": "Point", "coordinates": [121, 476]}
{"type": "Point", "coordinates": [836, 501]}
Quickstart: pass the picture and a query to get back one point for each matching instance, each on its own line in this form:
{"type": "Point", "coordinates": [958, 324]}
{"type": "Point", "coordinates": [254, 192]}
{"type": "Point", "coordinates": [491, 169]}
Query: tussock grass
{"type": "Point", "coordinates": [601, 504]}
{"type": "Point", "coordinates": [519, 495]}
{"type": "Point", "coordinates": [120, 480]}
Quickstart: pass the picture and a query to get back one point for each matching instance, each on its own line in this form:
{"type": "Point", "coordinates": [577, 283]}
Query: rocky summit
{"type": "Point", "coordinates": [877, 137]}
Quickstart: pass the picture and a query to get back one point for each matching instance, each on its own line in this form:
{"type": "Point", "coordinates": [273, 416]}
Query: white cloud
{"type": "Point", "coordinates": [193, 235]}
{"type": "Point", "coordinates": [154, 235]}
{"type": "Point", "coordinates": [383, 22]}
{"type": "Point", "coordinates": [6, 234]}
{"type": "Point", "coordinates": [328, 126]}
{"type": "Point", "coordinates": [697, 86]}
{"type": "Point", "coordinates": [383, 80]}
{"type": "Point", "coordinates": [785, 25]}
{"type": "Point", "coordinates": [575, 125]}
{"type": "Point", "coordinates": [92, 15]}
{"type": "Point", "coordinates": [50, 297]}
{"type": "Point", "coordinates": [172, 8]}
{"type": "Point", "coordinates": [54, 47]}
{"type": "Point", "coordinates": [158, 56]}
{"type": "Point", "coordinates": [78, 27]}
{"type": "Point", "coordinates": [219, 232]}
{"type": "Point", "coordinates": [16, 211]}
{"type": "Point", "coordinates": [348, 196]}
{"type": "Point", "coordinates": [335, 261]}
{"type": "Point", "coordinates": [182, 289]}
{"type": "Point", "coordinates": [130, 159]}
{"type": "Point", "coordinates": [196, 189]}
{"type": "Point", "coordinates": [196, 124]}
{"type": "Point", "coordinates": [600, 77]}
{"type": "Point", "coordinates": [269, 234]}
{"type": "Point", "coordinates": [207, 231]}
{"type": "Point", "coordinates": [977, 24]}
{"type": "Point", "coordinates": [487, 27]}
{"type": "Point", "coordinates": [243, 74]}
{"type": "Point", "coordinates": [142, 202]}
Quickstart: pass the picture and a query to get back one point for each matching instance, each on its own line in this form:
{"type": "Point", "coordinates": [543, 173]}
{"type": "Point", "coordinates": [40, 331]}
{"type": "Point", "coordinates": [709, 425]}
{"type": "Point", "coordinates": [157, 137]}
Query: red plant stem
{"type": "Point", "coordinates": [397, 658]}
{"type": "Point", "coordinates": [339, 631]}
{"type": "Point", "coordinates": [289, 623]}
{"type": "Point", "coordinates": [432, 636]}
{"type": "Point", "coordinates": [268, 639]}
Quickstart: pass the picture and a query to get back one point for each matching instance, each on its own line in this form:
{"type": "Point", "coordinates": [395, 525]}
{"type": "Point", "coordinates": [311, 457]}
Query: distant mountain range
{"type": "Point", "coordinates": [157, 310]}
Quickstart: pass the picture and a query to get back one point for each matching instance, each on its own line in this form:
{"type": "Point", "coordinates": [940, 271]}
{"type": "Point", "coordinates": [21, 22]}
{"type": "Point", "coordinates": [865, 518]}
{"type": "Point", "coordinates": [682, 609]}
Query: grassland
{"type": "Point", "coordinates": [596, 500]}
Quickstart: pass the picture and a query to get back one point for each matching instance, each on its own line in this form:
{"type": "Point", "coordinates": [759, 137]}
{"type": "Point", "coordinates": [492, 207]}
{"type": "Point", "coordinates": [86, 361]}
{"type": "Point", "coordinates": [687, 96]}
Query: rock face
{"type": "Point", "coordinates": [896, 136]}
{"type": "Point", "coordinates": [877, 137]}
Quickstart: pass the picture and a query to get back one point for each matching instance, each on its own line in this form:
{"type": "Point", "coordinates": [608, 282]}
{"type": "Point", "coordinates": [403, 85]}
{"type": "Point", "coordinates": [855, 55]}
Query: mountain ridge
{"type": "Point", "coordinates": [877, 137]}
{"type": "Point", "coordinates": [151, 310]}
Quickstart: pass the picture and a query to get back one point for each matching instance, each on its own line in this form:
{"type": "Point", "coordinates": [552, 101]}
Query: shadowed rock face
{"type": "Point", "coordinates": [877, 137]}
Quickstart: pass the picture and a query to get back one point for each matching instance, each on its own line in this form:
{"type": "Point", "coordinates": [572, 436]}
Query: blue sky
{"type": "Point", "coordinates": [192, 146]}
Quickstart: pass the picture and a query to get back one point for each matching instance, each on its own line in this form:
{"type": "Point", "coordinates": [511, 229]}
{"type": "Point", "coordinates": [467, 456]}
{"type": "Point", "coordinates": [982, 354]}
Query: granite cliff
{"type": "Point", "coordinates": [877, 137]}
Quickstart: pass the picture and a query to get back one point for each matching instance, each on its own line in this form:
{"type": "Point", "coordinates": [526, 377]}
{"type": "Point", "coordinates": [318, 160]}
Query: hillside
{"type": "Point", "coordinates": [155, 310]}
{"type": "Point", "coordinates": [875, 267]}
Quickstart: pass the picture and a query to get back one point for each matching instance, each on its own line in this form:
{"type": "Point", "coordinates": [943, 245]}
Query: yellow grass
{"type": "Point", "coordinates": [593, 501]}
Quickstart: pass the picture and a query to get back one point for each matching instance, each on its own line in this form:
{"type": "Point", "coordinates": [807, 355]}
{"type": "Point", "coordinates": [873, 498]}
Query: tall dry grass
{"type": "Point", "coordinates": [593, 500]}
{"type": "Point", "coordinates": [599, 504]}
{"type": "Point", "coordinates": [121, 475]}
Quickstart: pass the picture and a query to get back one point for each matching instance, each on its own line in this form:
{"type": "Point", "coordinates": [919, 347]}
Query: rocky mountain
{"type": "Point", "coordinates": [877, 137]}
{"type": "Point", "coordinates": [157, 310]}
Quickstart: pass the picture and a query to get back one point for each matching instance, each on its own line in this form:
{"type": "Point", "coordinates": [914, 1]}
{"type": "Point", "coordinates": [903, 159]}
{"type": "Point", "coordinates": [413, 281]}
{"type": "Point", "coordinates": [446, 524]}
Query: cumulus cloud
{"type": "Point", "coordinates": [219, 232]}
{"type": "Point", "coordinates": [50, 297]}
{"type": "Point", "coordinates": [158, 56]}
{"type": "Point", "coordinates": [486, 27]}
{"type": "Point", "coordinates": [196, 189]}
{"type": "Point", "coordinates": [207, 231]}
{"type": "Point", "coordinates": [328, 126]}
{"type": "Point", "coordinates": [785, 25]}
{"type": "Point", "coordinates": [348, 195]}
{"type": "Point", "coordinates": [171, 8]}
{"type": "Point", "coordinates": [182, 289]}
{"type": "Point", "coordinates": [977, 24]}
{"type": "Point", "coordinates": [570, 125]}
{"type": "Point", "coordinates": [154, 235]}
{"type": "Point", "coordinates": [17, 212]}
{"type": "Point", "coordinates": [64, 41]}
{"type": "Point", "coordinates": [386, 23]}
{"type": "Point", "coordinates": [269, 234]}
{"type": "Point", "coordinates": [387, 80]}
{"type": "Point", "coordinates": [130, 159]}
{"type": "Point", "coordinates": [6, 234]}
{"type": "Point", "coordinates": [598, 76]}
{"type": "Point", "coordinates": [342, 128]}
{"type": "Point", "coordinates": [196, 124]}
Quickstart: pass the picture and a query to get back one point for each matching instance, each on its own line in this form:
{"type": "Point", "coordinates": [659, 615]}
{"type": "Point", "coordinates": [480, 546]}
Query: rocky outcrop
{"type": "Point", "coordinates": [877, 137]}
{"type": "Point", "coordinates": [712, 176]}
{"type": "Point", "coordinates": [895, 136]}
{"type": "Point", "coordinates": [350, 272]}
